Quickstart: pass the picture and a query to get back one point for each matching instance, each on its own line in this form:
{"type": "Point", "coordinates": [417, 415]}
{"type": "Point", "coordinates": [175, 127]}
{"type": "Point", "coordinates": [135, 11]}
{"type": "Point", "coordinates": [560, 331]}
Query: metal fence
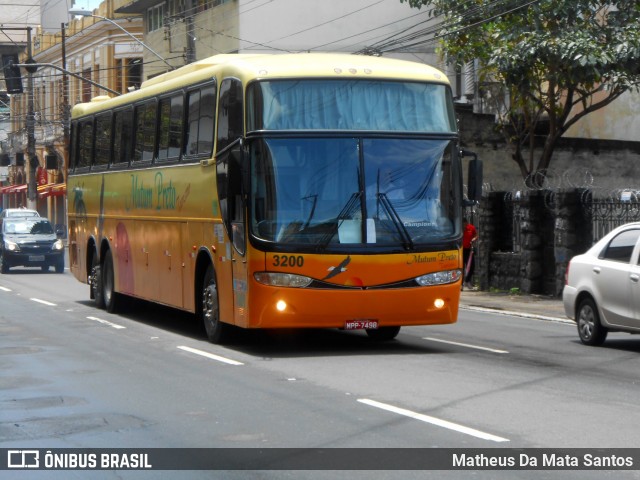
{"type": "Point", "coordinates": [607, 214]}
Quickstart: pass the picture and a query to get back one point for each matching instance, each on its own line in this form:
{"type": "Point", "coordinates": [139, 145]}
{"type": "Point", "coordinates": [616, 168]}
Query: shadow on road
{"type": "Point", "coordinates": [275, 343]}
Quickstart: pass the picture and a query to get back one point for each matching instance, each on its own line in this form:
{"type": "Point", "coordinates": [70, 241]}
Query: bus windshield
{"type": "Point", "coordinates": [371, 105]}
{"type": "Point", "coordinates": [327, 192]}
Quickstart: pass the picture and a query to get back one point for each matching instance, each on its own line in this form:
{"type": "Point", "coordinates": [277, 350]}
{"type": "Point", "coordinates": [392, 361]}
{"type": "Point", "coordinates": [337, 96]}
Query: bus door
{"type": "Point", "coordinates": [230, 173]}
{"type": "Point", "coordinates": [232, 207]}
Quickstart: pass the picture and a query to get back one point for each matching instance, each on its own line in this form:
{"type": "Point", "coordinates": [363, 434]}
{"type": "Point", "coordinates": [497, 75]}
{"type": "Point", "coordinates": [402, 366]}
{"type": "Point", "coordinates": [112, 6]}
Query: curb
{"type": "Point", "coordinates": [510, 313]}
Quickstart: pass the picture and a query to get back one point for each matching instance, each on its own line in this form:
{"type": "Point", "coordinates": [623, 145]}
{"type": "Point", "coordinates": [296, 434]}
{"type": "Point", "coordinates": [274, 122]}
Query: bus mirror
{"type": "Point", "coordinates": [474, 176]}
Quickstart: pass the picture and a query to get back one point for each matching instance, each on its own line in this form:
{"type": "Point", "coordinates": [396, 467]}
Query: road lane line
{"type": "Point", "coordinates": [477, 347]}
{"type": "Point", "coordinates": [5, 289]}
{"type": "Point", "coordinates": [434, 421]}
{"type": "Point", "coordinates": [44, 302]}
{"type": "Point", "coordinates": [105, 322]}
{"type": "Point", "coordinates": [210, 355]}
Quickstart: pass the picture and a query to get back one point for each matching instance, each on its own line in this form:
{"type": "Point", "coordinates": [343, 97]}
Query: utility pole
{"type": "Point", "coordinates": [66, 111]}
{"type": "Point", "coordinates": [32, 159]}
{"type": "Point", "coordinates": [190, 52]}
{"type": "Point", "coordinates": [65, 104]}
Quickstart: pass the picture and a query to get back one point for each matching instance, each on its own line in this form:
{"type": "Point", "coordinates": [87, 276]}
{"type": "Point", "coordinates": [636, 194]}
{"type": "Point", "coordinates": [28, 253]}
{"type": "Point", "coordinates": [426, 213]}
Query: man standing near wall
{"type": "Point", "coordinates": [469, 236]}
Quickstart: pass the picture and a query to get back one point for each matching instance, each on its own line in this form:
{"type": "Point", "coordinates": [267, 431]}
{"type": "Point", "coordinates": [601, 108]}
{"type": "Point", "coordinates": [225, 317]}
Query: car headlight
{"type": "Point", "coordinates": [57, 245]}
{"type": "Point", "coordinates": [11, 246]}
{"type": "Point", "coordinates": [439, 278]}
{"type": "Point", "coordinates": [282, 279]}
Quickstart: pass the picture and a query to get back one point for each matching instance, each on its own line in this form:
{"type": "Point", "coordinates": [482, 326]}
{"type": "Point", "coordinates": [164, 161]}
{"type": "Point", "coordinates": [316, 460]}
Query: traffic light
{"type": "Point", "coordinates": [12, 77]}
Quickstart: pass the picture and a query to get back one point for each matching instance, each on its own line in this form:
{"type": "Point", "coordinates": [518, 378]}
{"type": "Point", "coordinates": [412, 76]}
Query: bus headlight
{"type": "Point", "coordinates": [11, 246]}
{"type": "Point", "coordinates": [57, 245]}
{"type": "Point", "coordinates": [439, 278]}
{"type": "Point", "coordinates": [282, 279]}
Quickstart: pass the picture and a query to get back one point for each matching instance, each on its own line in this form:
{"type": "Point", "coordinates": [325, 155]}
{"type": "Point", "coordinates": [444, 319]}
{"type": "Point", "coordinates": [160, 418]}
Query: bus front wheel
{"type": "Point", "coordinates": [210, 309]}
{"type": "Point", "coordinates": [111, 298]}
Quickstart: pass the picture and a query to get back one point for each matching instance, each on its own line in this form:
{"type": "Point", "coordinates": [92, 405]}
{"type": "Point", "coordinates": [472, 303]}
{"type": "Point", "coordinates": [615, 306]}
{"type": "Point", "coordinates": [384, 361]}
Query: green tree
{"type": "Point", "coordinates": [557, 61]}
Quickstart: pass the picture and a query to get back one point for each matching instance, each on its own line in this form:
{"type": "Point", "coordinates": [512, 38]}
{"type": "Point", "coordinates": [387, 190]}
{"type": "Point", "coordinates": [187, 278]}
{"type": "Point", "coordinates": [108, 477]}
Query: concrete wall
{"type": "Point", "coordinates": [577, 162]}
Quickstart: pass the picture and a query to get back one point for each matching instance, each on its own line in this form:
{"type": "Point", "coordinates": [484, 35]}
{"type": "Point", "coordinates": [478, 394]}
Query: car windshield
{"type": "Point", "coordinates": [21, 213]}
{"type": "Point", "coordinates": [28, 226]}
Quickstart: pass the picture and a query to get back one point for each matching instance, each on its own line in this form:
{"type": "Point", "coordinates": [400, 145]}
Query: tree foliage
{"type": "Point", "coordinates": [557, 60]}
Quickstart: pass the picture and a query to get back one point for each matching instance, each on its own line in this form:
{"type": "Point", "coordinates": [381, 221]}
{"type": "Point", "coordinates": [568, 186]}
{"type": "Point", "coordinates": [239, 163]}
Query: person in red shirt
{"type": "Point", "coordinates": [469, 236]}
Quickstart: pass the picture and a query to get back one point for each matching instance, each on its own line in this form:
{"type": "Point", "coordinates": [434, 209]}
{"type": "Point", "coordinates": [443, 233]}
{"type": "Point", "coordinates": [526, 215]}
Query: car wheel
{"type": "Point", "coordinates": [217, 331]}
{"type": "Point", "coordinates": [60, 266]}
{"type": "Point", "coordinates": [383, 334]}
{"type": "Point", "coordinates": [96, 282]}
{"type": "Point", "coordinates": [590, 329]}
{"type": "Point", "coordinates": [4, 266]}
{"type": "Point", "coordinates": [111, 298]}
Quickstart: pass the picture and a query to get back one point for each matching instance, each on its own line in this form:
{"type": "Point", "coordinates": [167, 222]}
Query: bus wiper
{"type": "Point", "coordinates": [397, 221]}
{"type": "Point", "coordinates": [352, 205]}
{"type": "Point", "coordinates": [314, 199]}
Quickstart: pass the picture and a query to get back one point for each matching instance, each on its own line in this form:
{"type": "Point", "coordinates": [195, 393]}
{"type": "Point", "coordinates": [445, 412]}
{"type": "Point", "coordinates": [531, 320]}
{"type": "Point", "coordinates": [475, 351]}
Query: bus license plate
{"type": "Point", "coordinates": [36, 258]}
{"type": "Point", "coordinates": [360, 324]}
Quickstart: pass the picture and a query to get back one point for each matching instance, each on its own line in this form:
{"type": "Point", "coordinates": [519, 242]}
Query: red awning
{"type": "Point", "coordinates": [14, 189]}
{"type": "Point", "coordinates": [52, 190]}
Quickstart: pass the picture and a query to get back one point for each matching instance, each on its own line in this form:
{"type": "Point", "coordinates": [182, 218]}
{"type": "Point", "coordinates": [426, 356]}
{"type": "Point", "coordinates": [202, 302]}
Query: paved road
{"type": "Point", "coordinates": [74, 376]}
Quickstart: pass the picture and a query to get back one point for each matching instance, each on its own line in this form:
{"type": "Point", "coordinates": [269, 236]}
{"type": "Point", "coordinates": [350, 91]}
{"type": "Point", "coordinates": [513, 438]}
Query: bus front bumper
{"type": "Point", "coordinates": [273, 307]}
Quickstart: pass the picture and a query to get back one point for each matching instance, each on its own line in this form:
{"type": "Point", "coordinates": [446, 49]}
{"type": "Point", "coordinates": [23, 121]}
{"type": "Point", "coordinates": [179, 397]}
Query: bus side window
{"type": "Point", "coordinates": [170, 133]}
{"type": "Point", "coordinates": [103, 140]}
{"type": "Point", "coordinates": [230, 112]}
{"type": "Point", "coordinates": [200, 121]}
{"type": "Point", "coordinates": [85, 144]}
{"type": "Point", "coordinates": [73, 145]}
{"type": "Point", "coordinates": [145, 131]}
{"type": "Point", "coordinates": [123, 127]}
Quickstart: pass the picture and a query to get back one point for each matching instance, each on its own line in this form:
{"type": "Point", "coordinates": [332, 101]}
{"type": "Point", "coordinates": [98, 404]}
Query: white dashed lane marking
{"type": "Point", "coordinates": [434, 421]}
{"type": "Point", "coordinates": [44, 302]}
{"type": "Point", "coordinates": [467, 345]}
{"type": "Point", "coordinates": [105, 322]}
{"type": "Point", "coordinates": [202, 353]}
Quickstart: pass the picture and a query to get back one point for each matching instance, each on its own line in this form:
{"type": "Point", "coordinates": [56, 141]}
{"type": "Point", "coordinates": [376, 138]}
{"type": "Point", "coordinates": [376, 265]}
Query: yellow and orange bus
{"type": "Point", "coordinates": [273, 191]}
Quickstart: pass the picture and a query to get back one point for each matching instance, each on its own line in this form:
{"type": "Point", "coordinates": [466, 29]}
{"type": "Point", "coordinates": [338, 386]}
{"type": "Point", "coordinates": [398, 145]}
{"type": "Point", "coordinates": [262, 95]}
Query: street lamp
{"type": "Point", "coordinates": [81, 12]}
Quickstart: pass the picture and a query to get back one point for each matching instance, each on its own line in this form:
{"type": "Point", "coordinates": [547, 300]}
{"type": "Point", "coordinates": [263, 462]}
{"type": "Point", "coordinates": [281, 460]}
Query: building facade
{"type": "Point", "coordinates": [86, 57]}
{"type": "Point", "coordinates": [127, 42]}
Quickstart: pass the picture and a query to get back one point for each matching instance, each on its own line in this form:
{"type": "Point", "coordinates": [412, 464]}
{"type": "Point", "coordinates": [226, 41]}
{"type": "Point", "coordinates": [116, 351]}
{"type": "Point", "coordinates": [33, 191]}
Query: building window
{"type": "Point", "coordinates": [86, 86]}
{"type": "Point", "coordinates": [176, 7]}
{"type": "Point", "coordinates": [134, 73]}
{"type": "Point", "coordinates": [155, 17]}
{"type": "Point", "coordinates": [119, 75]}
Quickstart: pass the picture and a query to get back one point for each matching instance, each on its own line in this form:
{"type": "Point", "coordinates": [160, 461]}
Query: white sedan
{"type": "Point", "coordinates": [602, 289]}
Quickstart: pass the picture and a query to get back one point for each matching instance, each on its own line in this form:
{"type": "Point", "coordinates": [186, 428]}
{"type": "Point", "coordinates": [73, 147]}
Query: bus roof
{"type": "Point", "coordinates": [248, 67]}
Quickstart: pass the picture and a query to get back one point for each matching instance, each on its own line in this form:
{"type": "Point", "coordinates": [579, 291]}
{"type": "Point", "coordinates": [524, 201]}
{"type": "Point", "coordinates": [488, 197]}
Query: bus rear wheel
{"type": "Point", "coordinates": [383, 334]}
{"type": "Point", "coordinates": [96, 282]}
{"type": "Point", "coordinates": [216, 330]}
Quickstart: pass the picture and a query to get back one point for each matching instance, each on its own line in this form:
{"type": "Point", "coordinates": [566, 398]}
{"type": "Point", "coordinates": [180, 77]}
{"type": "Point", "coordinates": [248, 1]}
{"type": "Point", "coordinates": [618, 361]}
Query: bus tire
{"type": "Point", "coordinates": [216, 330]}
{"type": "Point", "coordinates": [97, 293]}
{"type": "Point", "coordinates": [383, 334]}
{"type": "Point", "coordinates": [111, 298]}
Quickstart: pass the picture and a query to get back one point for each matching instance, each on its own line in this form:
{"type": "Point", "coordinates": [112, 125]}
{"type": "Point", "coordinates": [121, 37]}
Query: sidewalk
{"type": "Point", "coordinates": [533, 306]}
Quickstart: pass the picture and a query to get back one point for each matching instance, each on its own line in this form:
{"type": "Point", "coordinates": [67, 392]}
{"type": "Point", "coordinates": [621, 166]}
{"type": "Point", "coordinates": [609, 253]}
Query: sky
{"type": "Point", "coordinates": [88, 4]}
